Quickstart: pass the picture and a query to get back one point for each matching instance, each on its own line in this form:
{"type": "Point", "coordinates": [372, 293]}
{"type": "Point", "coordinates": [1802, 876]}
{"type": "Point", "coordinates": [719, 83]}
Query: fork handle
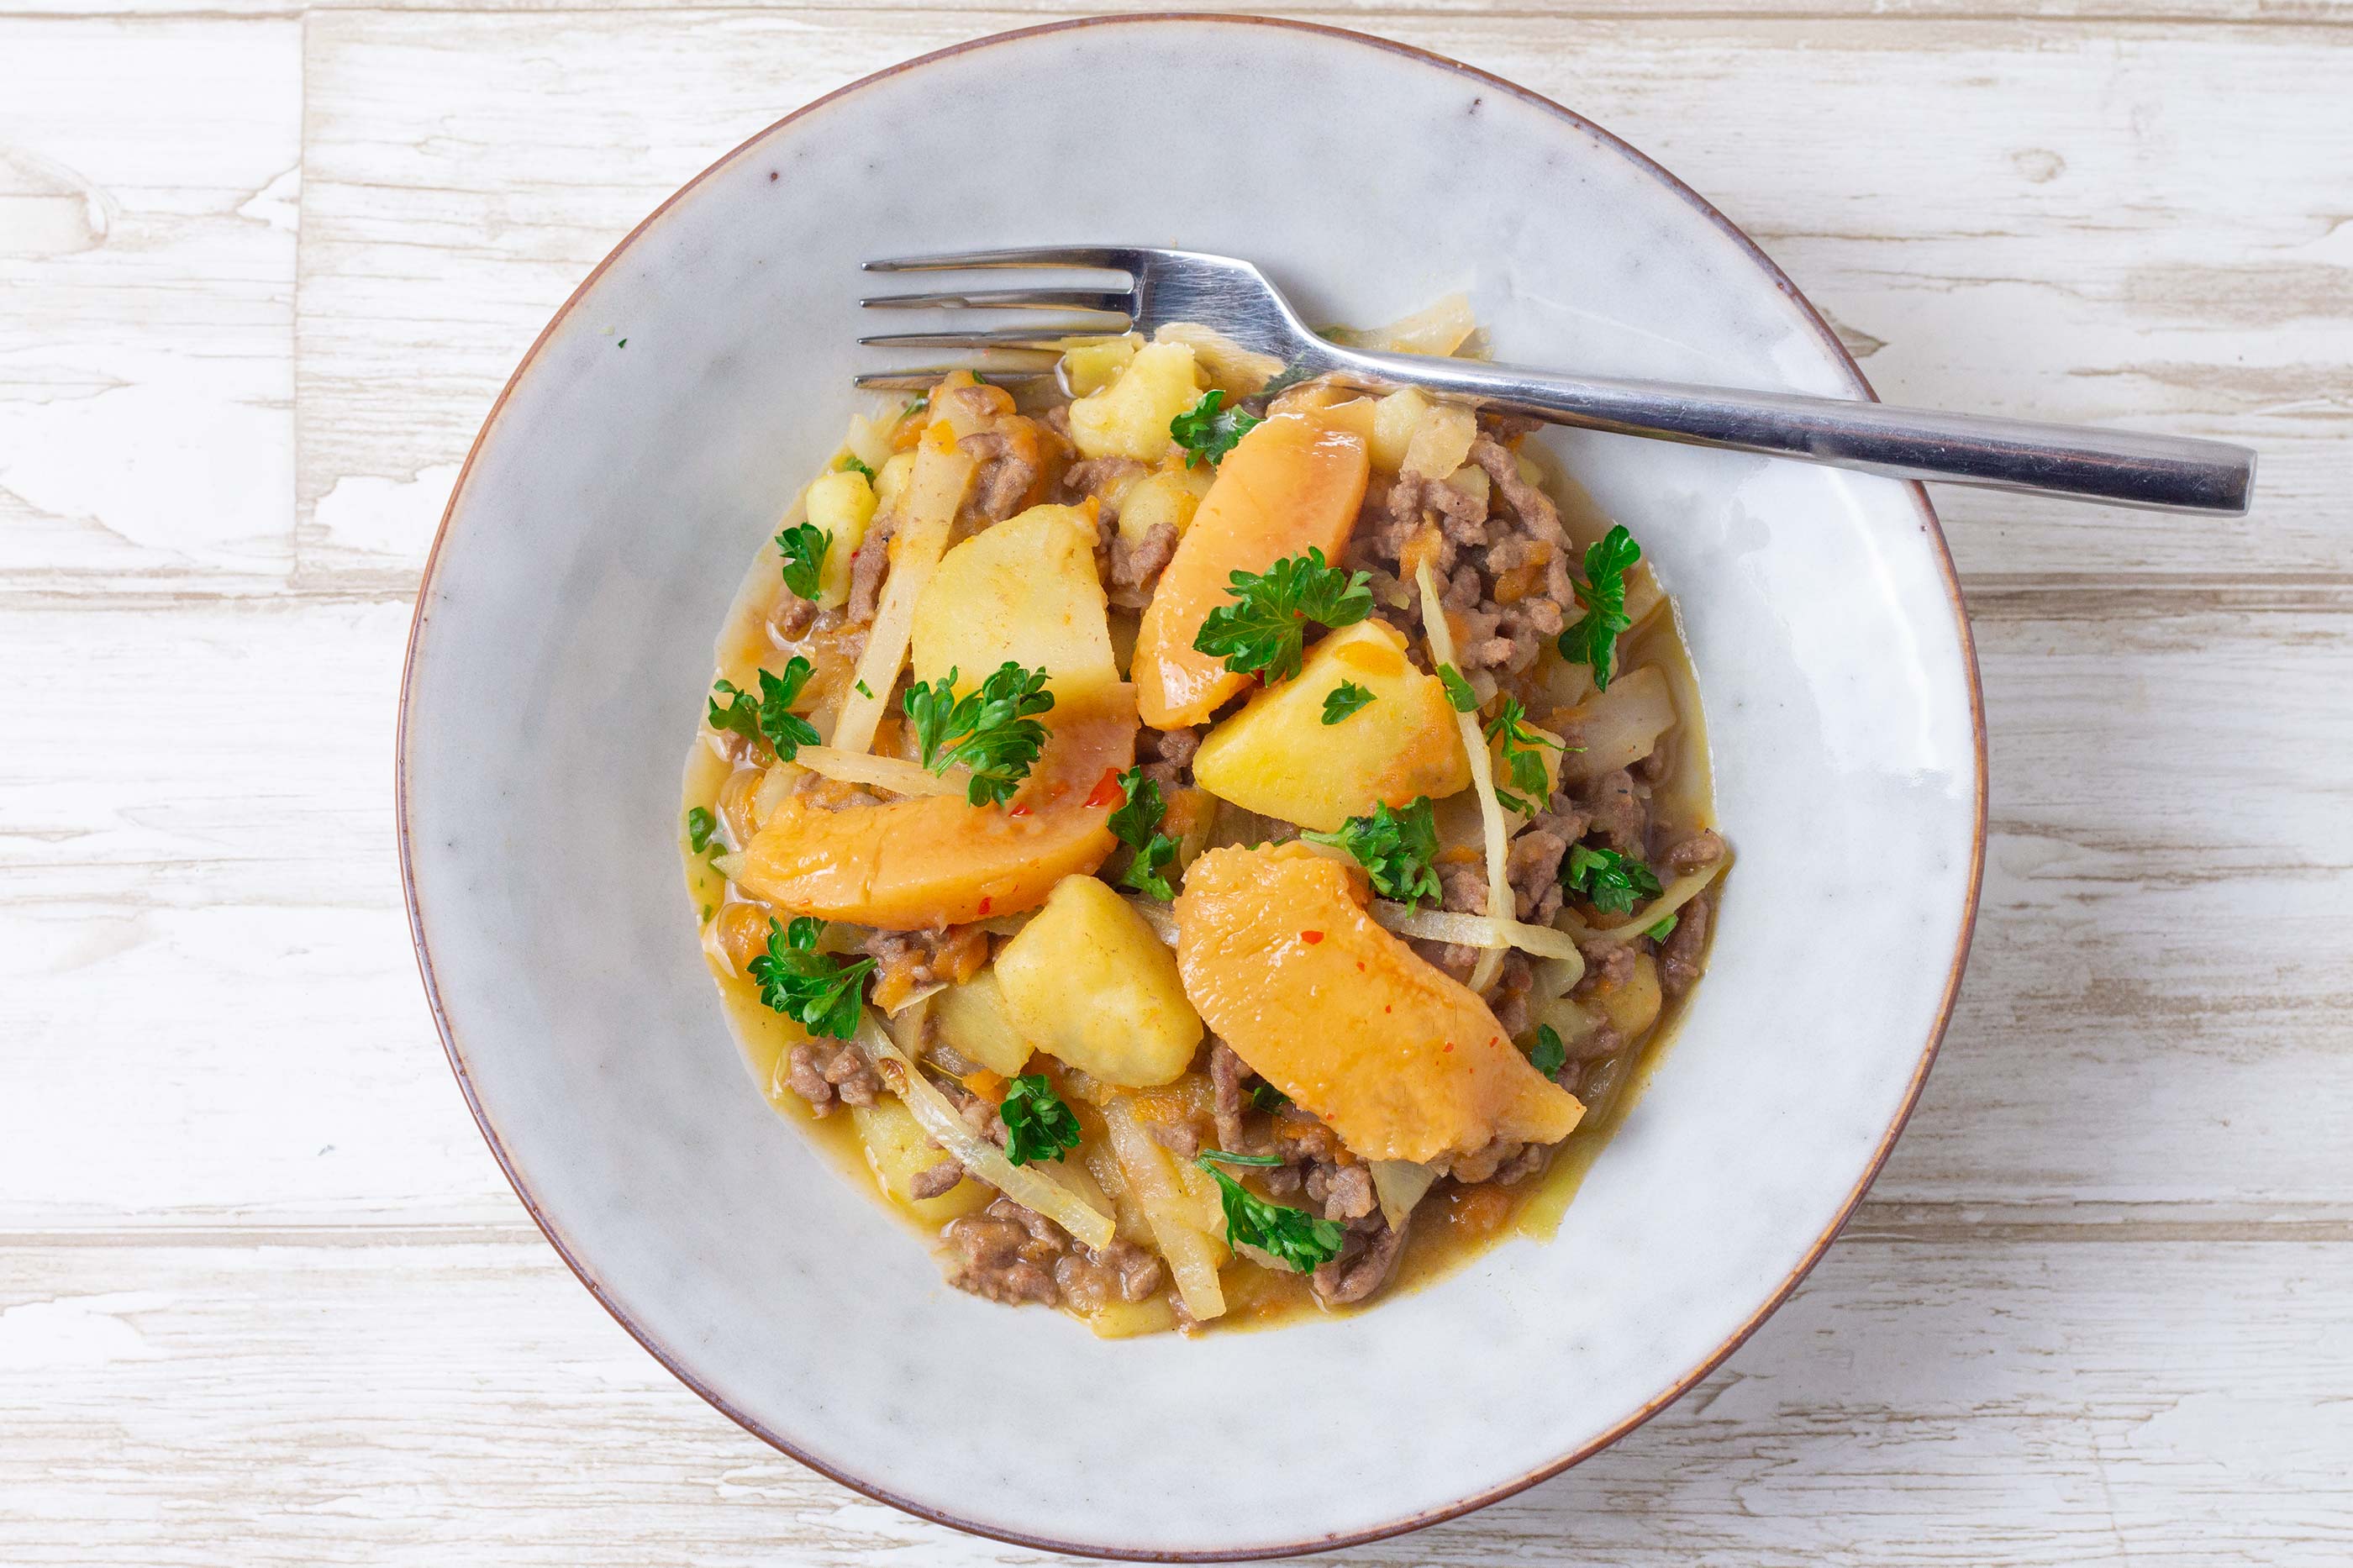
{"type": "Point", "coordinates": [2164, 473]}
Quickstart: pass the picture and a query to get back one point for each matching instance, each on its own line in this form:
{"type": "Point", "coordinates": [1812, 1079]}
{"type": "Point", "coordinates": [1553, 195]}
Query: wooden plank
{"type": "Point", "coordinates": [2134, 236]}
{"type": "Point", "coordinates": [148, 183]}
{"type": "Point", "coordinates": [1999, 1404]}
{"type": "Point", "coordinates": [205, 956]}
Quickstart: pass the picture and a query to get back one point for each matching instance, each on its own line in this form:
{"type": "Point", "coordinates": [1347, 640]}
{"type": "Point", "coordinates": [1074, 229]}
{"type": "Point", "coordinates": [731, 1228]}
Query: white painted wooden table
{"type": "Point", "coordinates": [264, 1298]}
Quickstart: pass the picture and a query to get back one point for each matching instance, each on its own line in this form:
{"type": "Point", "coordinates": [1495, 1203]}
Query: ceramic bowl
{"type": "Point", "coordinates": [563, 643]}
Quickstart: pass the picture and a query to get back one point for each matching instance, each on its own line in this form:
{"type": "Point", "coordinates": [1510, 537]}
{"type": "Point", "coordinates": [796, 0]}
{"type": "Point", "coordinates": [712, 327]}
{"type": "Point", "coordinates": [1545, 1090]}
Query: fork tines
{"type": "Point", "coordinates": [1106, 312]}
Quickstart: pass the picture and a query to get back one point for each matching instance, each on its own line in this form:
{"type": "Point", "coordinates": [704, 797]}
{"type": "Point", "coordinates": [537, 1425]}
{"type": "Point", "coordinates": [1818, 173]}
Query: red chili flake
{"type": "Point", "coordinates": [984, 902]}
{"type": "Point", "coordinates": [1312, 937]}
{"type": "Point", "coordinates": [1107, 790]}
{"type": "Point", "coordinates": [1449, 1044]}
{"type": "Point", "coordinates": [1022, 810]}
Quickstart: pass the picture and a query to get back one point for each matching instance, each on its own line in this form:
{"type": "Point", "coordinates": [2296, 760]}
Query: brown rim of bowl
{"type": "Point", "coordinates": [1667, 1396]}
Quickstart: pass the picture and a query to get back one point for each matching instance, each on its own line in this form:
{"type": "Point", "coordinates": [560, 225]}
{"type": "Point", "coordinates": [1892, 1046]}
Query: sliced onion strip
{"type": "Point", "coordinates": [1500, 901]}
{"type": "Point", "coordinates": [1673, 897]}
{"type": "Point", "coordinates": [1399, 1184]}
{"type": "Point", "coordinates": [934, 491]}
{"type": "Point", "coordinates": [896, 775]}
{"type": "Point", "coordinates": [1190, 1252]}
{"type": "Point", "coordinates": [977, 1155]}
{"type": "Point", "coordinates": [1482, 932]}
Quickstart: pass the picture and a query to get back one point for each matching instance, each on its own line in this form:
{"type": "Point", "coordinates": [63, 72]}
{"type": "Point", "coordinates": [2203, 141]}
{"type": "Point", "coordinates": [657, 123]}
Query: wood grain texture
{"type": "Point", "coordinates": [264, 1298]}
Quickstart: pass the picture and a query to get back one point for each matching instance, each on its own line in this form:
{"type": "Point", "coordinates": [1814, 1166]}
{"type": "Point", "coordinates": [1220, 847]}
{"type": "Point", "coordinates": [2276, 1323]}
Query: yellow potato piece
{"type": "Point", "coordinates": [1278, 757]}
{"type": "Point", "coordinates": [974, 1020]}
{"type": "Point", "coordinates": [1025, 590]}
{"type": "Point", "coordinates": [1402, 1061]}
{"type": "Point", "coordinates": [1130, 418]}
{"type": "Point", "coordinates": [1088, 982]}
{"type": "Point", "coordinates": [898, 1150]}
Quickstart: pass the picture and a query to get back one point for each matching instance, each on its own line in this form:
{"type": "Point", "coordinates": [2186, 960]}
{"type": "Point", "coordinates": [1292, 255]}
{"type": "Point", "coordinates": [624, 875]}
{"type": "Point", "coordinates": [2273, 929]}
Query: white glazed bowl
{"type": "Point", "coordinates": [563, 643]}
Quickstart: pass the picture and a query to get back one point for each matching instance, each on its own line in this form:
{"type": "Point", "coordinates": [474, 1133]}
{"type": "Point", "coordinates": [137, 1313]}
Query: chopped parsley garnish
{"type": "Point", "coordinates": [1294, 1237]}
{"type": "Point", "coordinates": [803, 547]}
{"type": "Point", "coordinates": [915, 405]}
{"type": "Point", "coordinates": [699, 826]}
{"type": "Point", "coordinates": [1664, 930]}
{"type": "Point", "coordinates": [818, 991]}
{"type": "Point", "coordinates": [991, 731]}
{"type": "Point", "coordinates": [850, 465]}
{"type": "Point", "coordinates": [862, 690]}
{"type": "Point", "coordinates": [1593, 640]}
{"type": "Point", "coordinates": [1263, 631]}
{"type": "Point", "coordinates": [1395, 847]}
{"type": "Point", "coordinates": [1264, 1096]}
{"type": "Point", "coordinates": [1136, 824]}
{"type": "Point", "coordinates": [1548, 1056]}
{"type": "Point", "coordinates": [771, 716]}
{"type": "Point", "coordinates": [1208, 432]}
{"type": "Point", "coordinates": [1038, 1125]}
{"type": "Point", "coordinates": [1611, 882]}
{"type": "Point", "coordinates": [1458, 690]}
{"type": "Point", "coordinates": [1344, 699]}
{"type": "Point", "coordinates": [1522, 758]}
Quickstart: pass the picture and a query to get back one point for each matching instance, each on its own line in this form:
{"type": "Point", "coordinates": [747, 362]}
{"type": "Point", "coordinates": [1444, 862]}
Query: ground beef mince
{"type": "Point", "coordinates": [1364, 1265]}
{"type": "Point", "coordinates": [825, 1072]}
{"type": "Point", "coordinates": [868, 568]}
{"type": "Point", "coordinates": [1343, 1192]}
{"type": "Point", "coordinates": [1136, 567]}
{"type": "Point", "coordinates": [1695, 852]}
{"type": "Point", "coordinates": [908, 961]}
{"type": "Point", "coordinates": [1607, 965]}
{"type": "Point", "coordinates": [1229, 1076]}
{"type": "Point", "coordinates": [1008, 1253]}
{"type": "Point", "coordinates": [1533, 863]}
{"type": "Point", "coordinates": [1679, 954]}
{"type": "Point", "coordinates": [935, 1181]}
{"type": "Point", "coordinates": [1617, 812]}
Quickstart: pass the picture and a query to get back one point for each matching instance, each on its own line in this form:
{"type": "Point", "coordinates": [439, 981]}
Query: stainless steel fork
{"type": "Point", "coordinates": [1231, 297]}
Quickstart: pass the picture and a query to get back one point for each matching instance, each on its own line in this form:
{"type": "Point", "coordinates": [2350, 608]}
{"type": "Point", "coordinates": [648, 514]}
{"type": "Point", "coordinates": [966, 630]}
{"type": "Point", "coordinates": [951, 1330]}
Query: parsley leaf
{"type": "Point", "coordinates": [1038, 1125]}
{"type": "Point", "coordinates": [1255, 1160]}
{"type": "Point", "coordinates": [1264, 1096]}
{"type": "Point", "coordinates": [850, 465]}
{"type": "Point", "coordinates": [1664, 930]}
{"type": "Point", "coordinates": [700, 825]}
{"type": "Point", "coordinates": [1208, 434]}
{"type": "Point", "coordinates": [1548, 1056]}
{"type": "Point", "coordinates": [1294, 1237]}
{"type": "Point", "coordinates": [1264, 629]}
{"type": "Point", "coordinates": [1136, 824]}
{"type": "Point", "coordinates": [1458, 690]}
{"type": "Point", "coordinates": [1594, 638]}
{"type": "Point", "coordinates": [803, 546]}
{"type": "Point", "coordinates": [990, 730]}
{"type": "Point", "coordinates": [1611, 882]}
{"type": "Point", "coordinates": [863, 690]}
{"type": "Point", "coordinates": [772, 715]}
{"type": "Point", "coordinates": [1344, 699]}
{"type": "Point", "coordinates": [819, 991]}
{"type": "Point", "coordinates": [1394, 847]}
{"type": "Point", "coordinates": [1518, 744]}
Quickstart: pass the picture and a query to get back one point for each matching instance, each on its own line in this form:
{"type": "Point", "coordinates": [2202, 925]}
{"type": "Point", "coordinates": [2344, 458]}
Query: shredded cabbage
{"type": "Point", "coordinates": [1031, 1189]}
{"type": "Point", "coordinates": [934, 492]}
{"type": "Point", "coordinates": [1192, 1254]}
{"type": "Point", "coordinates": [1475, 931]}
{"type": "Point", "coordinates": [1500, 902]}
{"type": "Point", "coordinates": [896, 775]}
{"type": "Point", "coordinates": [1399, 1184]}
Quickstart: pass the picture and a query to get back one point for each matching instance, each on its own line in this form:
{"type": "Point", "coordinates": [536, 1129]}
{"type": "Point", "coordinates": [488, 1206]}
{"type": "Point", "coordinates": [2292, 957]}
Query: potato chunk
{"type": "Point", "coordinates": [897, 1151]}
{"type": "Point", "coordinates": [840, 504]}
{"type": "Point", "coordinates": [1401, 1060]}
{"type": "Point", "coordinates": [1130, 418]}
{"type": "Point", "coordinates": [1025, 590]}
{"type": "Point", "coordinates": [1088, 982]}
{"type": "Point", "coordinates": [1278, 757]}
{"type": "Point", "coordinates": [1293, 482]}
{"type": "Point", "coordinates": [974, 1020]}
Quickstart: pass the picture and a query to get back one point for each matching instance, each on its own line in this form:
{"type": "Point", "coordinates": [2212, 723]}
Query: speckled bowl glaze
{"type": "Point", "coordinates": [563, 642]}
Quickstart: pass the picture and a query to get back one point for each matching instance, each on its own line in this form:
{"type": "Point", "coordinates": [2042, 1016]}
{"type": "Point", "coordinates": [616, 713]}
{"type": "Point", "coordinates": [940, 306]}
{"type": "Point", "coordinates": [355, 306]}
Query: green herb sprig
{"type": "Point", "coordinates": [802, 548]}
{"type": "Point", "coordinates": [1548, 1055]}
{"type": "Point", "coordinates": [1609, 882]}
{"type": "Point", "coordinates": [1459, 693]}
{"type": "Point", "coordinates": [1523, 758]}
{"type": "Point", "coordinates": [993, 731]}
{"type": "Point", "coordinates": [1293, 1237]}
{"type": "Point", "coordinates": [1263, 631]}
{"type": "Point", "coordinates": [699, 826]}
{"type": "Point", "coordinates": [1038, 1125]}
{"type": "Point", "coordinates": [1395, 847]}
{"type": "Point", "coordinates": [1344, 699]}
{"type": "Point", "coordinates": [770, 715]}
{"type": "Point", "coordinates": [1136, 824]}
{"type": "Point", "coordinates": [1208, 431]}
{"type": "Point", "coordinates": [1593, 638]}
{"type": "Point", "coordinates": [818, 991]}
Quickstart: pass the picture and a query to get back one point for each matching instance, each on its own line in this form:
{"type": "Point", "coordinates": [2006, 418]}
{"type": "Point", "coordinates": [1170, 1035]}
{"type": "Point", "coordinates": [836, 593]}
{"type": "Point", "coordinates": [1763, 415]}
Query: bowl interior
{"type": "Point", "coordinates": [563, 641]}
